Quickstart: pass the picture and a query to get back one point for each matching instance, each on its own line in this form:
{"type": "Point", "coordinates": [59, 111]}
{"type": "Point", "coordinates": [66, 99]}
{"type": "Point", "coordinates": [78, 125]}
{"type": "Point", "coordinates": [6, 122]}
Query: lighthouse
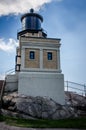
{"type": "Point", "coordinates": [38, 60]}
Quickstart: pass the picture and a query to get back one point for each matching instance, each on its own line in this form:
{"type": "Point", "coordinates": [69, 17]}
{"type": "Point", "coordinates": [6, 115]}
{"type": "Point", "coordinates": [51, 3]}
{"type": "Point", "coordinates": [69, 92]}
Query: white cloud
{"type": "Point", "coordinates": [21, 6]}
{"type": "Point", "coordinates": [8, 46]}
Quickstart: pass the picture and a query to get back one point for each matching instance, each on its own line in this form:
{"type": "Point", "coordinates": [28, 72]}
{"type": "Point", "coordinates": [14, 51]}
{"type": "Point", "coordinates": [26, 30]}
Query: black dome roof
{"type": "Point", "coordinates": [32, 14]}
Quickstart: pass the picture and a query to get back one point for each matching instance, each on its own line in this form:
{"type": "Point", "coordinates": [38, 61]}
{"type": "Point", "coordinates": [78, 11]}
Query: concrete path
{"type": "Point", "coordinates": [3, 126]}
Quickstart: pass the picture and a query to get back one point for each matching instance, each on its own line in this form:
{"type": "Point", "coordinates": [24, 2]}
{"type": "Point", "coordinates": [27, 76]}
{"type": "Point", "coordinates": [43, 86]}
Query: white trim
{"type": "Point", "coordinates": [41, 58]}
{"type": "Point", "coordinates": [58, 59]}
{"type": "Point", "coordinates": [51, 45]}
{"type": "Point", "coordinates": [45, 48]}
{"type": "Point", "coordinates": [22, 58]}
{"type": "Point", "coordinates": [32, 50]}
{"type": "Point", "coordinates": [40, 70]}
{"type": "Point", "coordinates": [40, 40]}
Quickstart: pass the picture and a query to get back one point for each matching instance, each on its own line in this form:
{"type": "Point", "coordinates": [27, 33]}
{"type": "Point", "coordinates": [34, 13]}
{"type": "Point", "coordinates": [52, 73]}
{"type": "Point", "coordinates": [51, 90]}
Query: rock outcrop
{"type": "Point", "coordinates": [78, 102]}
{"type": "Point", "coordinates": [34, 107]}
{"type": "Point", "coordinates": [41, 107]}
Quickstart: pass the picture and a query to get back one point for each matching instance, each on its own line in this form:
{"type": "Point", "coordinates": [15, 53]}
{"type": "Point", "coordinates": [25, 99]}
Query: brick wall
{"type": "Point", "coordinates": [32, 63]}
{"type": "Point", "coordinates": [35, 63]}
{"type": "Point", "coordinates": [50, 64]}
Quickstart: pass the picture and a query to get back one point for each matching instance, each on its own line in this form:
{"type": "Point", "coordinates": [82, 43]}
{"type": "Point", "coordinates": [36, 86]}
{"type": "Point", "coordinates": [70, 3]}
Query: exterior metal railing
{"type": "Point", "coordinates": [2, 92]}
{"type": "Point", "coordinates": [75, 87]}
{"type": "Point", "coordinates": [24, 28]}
{"type": "Point", "coordinates": [68, 85]}
{"type": "Point", "coordinates": [11, 71]}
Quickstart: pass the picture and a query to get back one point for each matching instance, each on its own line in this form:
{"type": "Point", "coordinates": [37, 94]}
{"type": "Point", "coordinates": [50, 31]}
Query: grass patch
{"type": "Point", "coordinates": [62, 123]}
{"type": "Point", "coordinates": [1, 118]}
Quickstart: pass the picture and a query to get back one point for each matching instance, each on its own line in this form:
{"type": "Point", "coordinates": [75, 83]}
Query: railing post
{"type": "Point", "coordinates": [2, 92]}
{"type": "Point", "coordinates": [85, 89]}
{"type": "Point", "coordinates": [67, 86]}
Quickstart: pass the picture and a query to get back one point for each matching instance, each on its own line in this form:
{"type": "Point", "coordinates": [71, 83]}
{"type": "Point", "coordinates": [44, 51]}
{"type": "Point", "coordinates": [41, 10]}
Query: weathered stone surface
{"type": "Point", "coordinates": [15, 114]}
{"type": "Point", "coordinates": [40, 107]}
{"type": "Point", "coordinates": [75, 99]}
{"type": "Point", "coordinates": [7, 99]}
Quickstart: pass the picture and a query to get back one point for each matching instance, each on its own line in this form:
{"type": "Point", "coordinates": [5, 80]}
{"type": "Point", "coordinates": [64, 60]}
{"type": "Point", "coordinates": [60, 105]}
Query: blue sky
{"type": "Point", "coordinates": [65, 19]}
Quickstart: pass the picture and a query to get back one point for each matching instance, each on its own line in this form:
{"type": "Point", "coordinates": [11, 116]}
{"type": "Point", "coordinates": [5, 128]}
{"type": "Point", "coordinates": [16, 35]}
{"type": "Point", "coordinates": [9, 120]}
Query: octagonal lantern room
{"type": "Point", "coordinates": [31, 22]}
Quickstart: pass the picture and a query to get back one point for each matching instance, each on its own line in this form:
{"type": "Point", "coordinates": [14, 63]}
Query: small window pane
{"type": "Point", "coordinates": [49, 55]}
{"type": "Point", "coordinates": [32, 55]}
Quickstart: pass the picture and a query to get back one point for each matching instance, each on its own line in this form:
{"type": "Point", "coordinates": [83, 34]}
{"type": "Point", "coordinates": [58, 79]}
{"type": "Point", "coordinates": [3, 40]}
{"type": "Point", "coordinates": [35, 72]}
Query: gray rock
{"type": "Point", "coordinates": [40, 107]}
{"type": "Point", "coordinates": [12, 108]}
{"type": "Point", "coordinates": [45, 115]}
{"type": "Point", "coordinates": [63, 113]}
{"type": "Point", "coordinates": [15, 114]}
{"type": "Point", "coordinates": [27, 106]}
{"type": "Point", "coordinates": [75, 99]}
{"type": "Point", "coordinates": [7, 99]}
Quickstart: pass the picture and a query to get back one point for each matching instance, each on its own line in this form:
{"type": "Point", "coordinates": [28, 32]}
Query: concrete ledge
{"type": "Point", "coordinates": [11, 83]}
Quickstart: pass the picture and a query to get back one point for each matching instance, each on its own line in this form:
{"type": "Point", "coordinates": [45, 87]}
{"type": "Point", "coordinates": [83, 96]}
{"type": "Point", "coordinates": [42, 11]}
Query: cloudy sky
{"type": "Point", "coordinates": [65, 19]}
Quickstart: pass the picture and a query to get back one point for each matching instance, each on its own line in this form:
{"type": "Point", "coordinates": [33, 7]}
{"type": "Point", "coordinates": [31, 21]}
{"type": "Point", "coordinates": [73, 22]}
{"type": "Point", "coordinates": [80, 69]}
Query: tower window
{"type": "Point", "coordinates": [49, 55]}
{"type": "Point", "coordinates": [32, 55]}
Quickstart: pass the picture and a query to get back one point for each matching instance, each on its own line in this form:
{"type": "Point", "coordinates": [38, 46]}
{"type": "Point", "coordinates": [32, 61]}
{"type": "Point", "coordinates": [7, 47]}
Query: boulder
{"type": "Point", "coordinates": [35, 107]}
{"type": "Point", "coordinates": [75, 99]}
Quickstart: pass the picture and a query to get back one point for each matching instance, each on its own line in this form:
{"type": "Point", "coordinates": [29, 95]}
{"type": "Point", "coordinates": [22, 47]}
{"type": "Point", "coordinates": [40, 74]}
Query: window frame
{"type": "Point", "coordinates": [49, 56]}
{"type": "Point", "coordinates": [31, 55]}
